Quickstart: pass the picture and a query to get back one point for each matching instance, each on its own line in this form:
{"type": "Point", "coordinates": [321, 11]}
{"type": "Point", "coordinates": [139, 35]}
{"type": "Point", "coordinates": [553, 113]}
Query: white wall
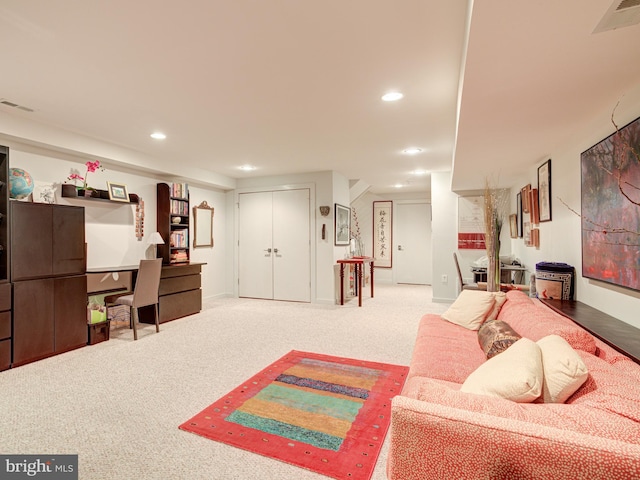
{"type": "Point", "coordinates": [560, 239]}
{"type": "Point", "coordinates": [444, 204]}
{"type": "Point", "coordinates": [110, 226]}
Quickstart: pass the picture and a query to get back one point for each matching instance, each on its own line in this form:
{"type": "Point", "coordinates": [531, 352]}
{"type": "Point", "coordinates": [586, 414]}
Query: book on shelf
{"type": "Point", "coordinates": [179, 239]}
{"type": "Point", "coordinates": [178, 256]}
{"type": "Point", "coordinates": [179, 207]}
{"type": "Point", "coordinates": [180, 190]}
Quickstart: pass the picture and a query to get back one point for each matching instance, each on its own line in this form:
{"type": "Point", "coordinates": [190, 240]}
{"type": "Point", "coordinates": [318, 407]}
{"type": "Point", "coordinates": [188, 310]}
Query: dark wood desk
{"type": "Point", "coordinates": [358, 264]}
{"type": "Point", "coordinates": [620, 335]}
{"type": "Point", "coordinates": [179, 292]}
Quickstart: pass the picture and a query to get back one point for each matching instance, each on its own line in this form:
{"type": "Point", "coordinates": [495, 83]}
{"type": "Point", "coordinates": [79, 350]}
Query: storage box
{"type": "Point", "coordinates": [554, 280]}
{"type": "Point", "coordinates": [98, 332]}
{"type": "Point", "coordinates": [121, 314]}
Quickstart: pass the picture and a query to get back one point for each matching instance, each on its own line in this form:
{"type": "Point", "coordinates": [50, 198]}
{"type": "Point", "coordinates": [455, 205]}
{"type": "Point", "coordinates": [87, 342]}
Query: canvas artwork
{"type": "Point", "coordinates": [611, 208]}
{"type": "Point", "coordinates": [382, 224]}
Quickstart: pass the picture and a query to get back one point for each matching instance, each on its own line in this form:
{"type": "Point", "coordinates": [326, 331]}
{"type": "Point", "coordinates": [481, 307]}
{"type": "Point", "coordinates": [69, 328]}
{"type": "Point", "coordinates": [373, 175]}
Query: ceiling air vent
{"type": "Point", "coordinates": [622, 13]}
{"type": "Point", "coordinates": [4, 101]}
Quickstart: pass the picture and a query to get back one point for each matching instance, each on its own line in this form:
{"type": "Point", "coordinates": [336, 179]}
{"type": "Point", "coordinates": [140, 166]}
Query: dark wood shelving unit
{"type": "Point", "coordinates": [6, 330]}
{"type": "Point", "coordinates": [172, 204]}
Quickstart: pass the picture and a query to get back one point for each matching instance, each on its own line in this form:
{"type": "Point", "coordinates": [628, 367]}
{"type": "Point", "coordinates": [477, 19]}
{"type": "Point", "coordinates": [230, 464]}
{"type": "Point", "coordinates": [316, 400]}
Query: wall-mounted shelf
{"type": "Point", "coordinates": [70, 191]}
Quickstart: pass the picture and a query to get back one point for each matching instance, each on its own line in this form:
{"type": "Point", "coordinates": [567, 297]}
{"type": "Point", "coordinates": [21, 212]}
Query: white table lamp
{"type": "Point", "coordinates": [155, 239]}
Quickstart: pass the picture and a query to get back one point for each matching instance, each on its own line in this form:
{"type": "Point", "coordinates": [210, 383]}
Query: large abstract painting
{"type": "Point", "coordinates": [611, 208]}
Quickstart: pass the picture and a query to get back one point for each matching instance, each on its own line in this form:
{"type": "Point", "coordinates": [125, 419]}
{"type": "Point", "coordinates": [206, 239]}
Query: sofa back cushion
{"type": "Point", "coordinates": [534, 320]}
{"type": "Point", "coordinates": [473, 307]}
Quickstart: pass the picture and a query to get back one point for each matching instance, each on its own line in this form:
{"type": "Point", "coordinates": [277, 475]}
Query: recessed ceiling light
{"type": "Point", "coordinates": [419, 172]}
{"type": "Point", "coordinates": [412, 151]}
{"type": "Point", "coordinates": [392, 96]}
{"type": "Point", "coordinates": [398, 185]}
{"type": "Point", "coordinates": [247, 168]}
{"type": "Point", "coordinates": [158, 135]}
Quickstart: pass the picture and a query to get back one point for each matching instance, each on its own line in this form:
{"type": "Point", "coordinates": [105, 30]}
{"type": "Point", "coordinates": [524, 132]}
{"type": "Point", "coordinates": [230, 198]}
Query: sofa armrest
{"type": "Point", "coordinates": [435, 441]}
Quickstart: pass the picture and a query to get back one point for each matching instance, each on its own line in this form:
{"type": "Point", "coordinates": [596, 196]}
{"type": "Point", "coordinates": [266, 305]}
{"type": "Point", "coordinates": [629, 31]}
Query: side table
{"type": "Point", "coordinates": [358, 263]}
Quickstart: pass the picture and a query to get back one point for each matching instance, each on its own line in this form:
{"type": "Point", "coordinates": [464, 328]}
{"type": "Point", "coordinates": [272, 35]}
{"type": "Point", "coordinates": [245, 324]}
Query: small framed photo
{"type": "Point", "coordinates": [544, 191]}
{"type": "Point", "coordinates": [118, 192]}
{"type": "Point", "coordinates": [342, 225]}
{"type": "Point", "coordinates": [513, 225]}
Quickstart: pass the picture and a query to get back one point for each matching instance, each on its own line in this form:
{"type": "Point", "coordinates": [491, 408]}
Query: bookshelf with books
{"type": "Point", "coordinates": [173, 222]}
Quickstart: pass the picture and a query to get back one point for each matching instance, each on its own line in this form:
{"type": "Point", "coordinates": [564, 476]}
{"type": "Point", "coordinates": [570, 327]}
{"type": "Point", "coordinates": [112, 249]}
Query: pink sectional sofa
{"type": "Point", "coordinates": [439, 432]}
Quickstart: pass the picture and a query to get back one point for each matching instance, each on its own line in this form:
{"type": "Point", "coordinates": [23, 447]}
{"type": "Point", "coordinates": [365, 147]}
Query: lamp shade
{"type": "Point", "coordinates": [156, 239]}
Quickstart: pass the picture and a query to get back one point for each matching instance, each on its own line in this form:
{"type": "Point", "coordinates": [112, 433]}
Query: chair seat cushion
{"type": "Point", "coordinates": [124, 300]}
{"type": "Point", "coordinates": [112, 298]}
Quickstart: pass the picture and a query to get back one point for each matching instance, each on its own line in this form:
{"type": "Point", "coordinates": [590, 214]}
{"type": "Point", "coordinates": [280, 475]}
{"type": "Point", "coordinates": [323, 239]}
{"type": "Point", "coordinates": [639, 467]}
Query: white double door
{"type": "Point", "coordinates": [274, 249]}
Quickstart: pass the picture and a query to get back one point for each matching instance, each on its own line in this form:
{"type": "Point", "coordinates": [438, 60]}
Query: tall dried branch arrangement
{"type": "Point", "coordinates": [495, 208]}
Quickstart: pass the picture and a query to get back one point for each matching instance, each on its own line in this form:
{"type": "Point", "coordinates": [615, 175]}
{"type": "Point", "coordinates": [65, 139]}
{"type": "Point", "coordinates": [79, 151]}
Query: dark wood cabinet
{"type": "Point", "coordinates": [4, 213]}
{"type": "Point", "coordinates": [5, 325]}
{"type": "Point", "coordinates": [47, 271]}
{"type": "Point", "coordinates": [172, 222]}
{"type": "Point", "coordinates": [179, 293]}
{"type": "Point", "coordinates": [46, 240]}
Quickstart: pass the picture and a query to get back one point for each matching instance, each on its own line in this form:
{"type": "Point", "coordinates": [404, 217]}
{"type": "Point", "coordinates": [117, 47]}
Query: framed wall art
{"type": "Point", "coordinates": [342, 225]}
{"type": "Point", "coordinates": [519, 213]}
{"type": "Point", "coordinates": [610, 212]}
{"type": "Point", "coordinates": [118, 192]}
{"type": "Point", "coordinates": [513, 225]}
{"type": "Point", "coordinates": [471, 228]}
{"type": "Point", "coordinates": [544, 191]}
{"type": "Point", "coordinates": [382, 228]}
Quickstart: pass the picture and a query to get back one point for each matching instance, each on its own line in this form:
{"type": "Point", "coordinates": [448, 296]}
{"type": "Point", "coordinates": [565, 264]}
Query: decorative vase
{"type": "Point", "coordinates": [493, 268]}
{"type": "Point", "coordinates": [493, 273]}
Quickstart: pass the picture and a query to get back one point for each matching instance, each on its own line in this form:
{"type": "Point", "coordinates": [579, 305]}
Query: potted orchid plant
{"type": "Point", "coordinates": [84, 189]}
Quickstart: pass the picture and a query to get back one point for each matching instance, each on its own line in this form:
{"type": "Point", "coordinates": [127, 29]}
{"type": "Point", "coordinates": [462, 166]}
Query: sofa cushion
{"type": "Point", "coordinates": [515, 374]}
{"type": "Point", "coordinates": [500, 298]}
{"type": "Point", "coordinates": [471, 308]}
{"type": "Point", "coordinates": [535, 321]}
{"type": "Point", "coordinates": [441, 350]}
{"type": "Point", "coordinates": [495, 336]}
{"type": "Point", "coordinates": [609, 388]}
{"type": "Point", "coordinates": [564, 370]}
{"type": "Point", "coordinates": [579, 417]}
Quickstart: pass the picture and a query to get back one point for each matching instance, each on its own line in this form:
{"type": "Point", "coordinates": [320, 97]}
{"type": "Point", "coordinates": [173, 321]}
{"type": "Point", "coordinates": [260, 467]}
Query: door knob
{"type": "Point", "coordinates": [268, 250]}
{"type": "Point", "coordinates": [275, 250]}
{"type": "Point", "coordinates": [399, 247]}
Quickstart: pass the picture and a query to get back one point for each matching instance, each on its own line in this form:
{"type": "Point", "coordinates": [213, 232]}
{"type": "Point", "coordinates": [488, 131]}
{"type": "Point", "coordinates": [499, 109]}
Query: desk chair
{"type": "Point", "coordinates": [465, 286]}
{"type": "Point", "coordinates": [145, 292]}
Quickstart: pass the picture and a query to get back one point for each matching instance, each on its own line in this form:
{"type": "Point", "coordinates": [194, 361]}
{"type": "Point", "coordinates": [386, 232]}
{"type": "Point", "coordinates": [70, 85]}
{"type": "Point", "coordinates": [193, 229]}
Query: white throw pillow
{"type": "Point", "coordinates": [515, 374]}
{"type": "Point", "coordinates": [470, 309]}
{"type": "Point", "coordinates": [564, 370]}
{"type": "Point", "coordinates": [500, 298]}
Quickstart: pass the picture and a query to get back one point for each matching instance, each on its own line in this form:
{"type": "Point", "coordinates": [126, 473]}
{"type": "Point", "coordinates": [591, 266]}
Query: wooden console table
{"type": "Point", "coordinates": [358, 263]}
{"type": "Point", "coordinates": [620, 335]}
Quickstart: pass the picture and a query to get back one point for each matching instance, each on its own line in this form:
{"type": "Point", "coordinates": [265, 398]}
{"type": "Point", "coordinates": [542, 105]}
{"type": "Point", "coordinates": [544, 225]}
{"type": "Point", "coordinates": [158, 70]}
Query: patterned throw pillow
{"type": "Point", "coordinates": [495, 336]}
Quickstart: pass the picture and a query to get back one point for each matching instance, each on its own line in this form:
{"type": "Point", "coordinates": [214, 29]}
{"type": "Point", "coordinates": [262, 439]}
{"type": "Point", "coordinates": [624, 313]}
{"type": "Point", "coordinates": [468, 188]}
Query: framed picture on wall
{"type": "Point", "coordinates": [519, 213]}
{"type": "Point", "coordinates": [342, 225]}
{"type": "Point", "coordinates": [382, 228]}
{"type": "Point", "coordinates": [513, 225]}
{"type": "Point", "coordinates": [544, 191]}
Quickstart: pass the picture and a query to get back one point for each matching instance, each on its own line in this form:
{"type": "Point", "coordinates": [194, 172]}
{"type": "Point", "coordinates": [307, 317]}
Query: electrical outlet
{"type": "Point", "coordinates": [445, 279]}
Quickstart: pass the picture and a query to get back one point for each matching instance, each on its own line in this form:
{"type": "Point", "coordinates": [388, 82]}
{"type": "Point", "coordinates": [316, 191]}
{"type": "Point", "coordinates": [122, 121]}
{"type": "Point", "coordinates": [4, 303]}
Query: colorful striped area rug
{"type": "Point", "coordinates": [326, 414]}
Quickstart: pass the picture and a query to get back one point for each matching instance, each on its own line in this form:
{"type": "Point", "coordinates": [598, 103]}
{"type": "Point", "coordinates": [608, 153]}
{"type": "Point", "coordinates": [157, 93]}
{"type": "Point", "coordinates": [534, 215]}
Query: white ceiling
{"type": "Point", "coordinates": [294, 86]}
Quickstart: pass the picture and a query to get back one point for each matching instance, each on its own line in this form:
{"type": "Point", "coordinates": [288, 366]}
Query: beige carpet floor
{"type": "Point", "coordinates": [118, 404]}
